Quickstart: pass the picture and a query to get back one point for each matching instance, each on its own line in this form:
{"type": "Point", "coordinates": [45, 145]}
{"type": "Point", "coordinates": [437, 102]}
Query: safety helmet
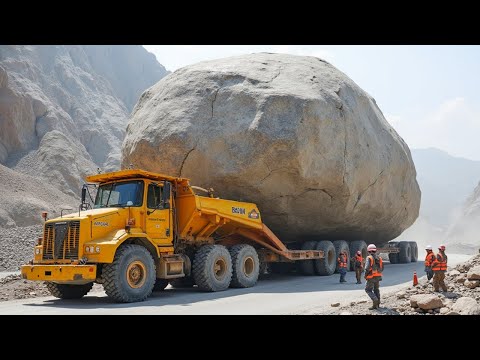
{"type": "Point", "coordinates": [441, 247]}
{"type": "Point", "coordinates": [428, 247]}
{"type": "Point", "coordinates": [371, 247]}
{"type": "Point", "coordinates": [359, 252]}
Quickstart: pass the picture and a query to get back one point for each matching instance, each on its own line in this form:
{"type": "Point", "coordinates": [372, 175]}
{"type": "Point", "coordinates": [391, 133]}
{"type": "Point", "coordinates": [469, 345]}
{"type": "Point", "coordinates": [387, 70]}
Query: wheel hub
{"type": "Point", "coordinates": [248, 266]}
{"type": "Point", "coordinates": [136, 274]}
{"type": "Point", "coordinates": [220, 268]}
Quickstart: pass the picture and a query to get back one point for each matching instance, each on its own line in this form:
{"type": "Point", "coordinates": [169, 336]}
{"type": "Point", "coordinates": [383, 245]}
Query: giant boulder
{"type": "Point", "coordinates": [290, 133]}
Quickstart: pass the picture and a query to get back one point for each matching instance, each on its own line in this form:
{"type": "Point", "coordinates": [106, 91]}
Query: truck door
{"type": "Point", "coordinates": [159, 218]}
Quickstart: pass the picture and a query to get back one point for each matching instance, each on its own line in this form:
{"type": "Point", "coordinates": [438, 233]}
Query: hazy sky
{"type": "Point", "coordinates": [430, 94]}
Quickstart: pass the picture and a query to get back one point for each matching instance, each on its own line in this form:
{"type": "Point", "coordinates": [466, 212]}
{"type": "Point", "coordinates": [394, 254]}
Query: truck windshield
{"type": "Point", "coordinates": [118, 194]}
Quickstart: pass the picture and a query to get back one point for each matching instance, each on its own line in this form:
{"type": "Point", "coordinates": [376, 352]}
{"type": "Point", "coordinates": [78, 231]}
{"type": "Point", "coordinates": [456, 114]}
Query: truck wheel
{"type": "Point", "coordinates": [184, 282]}
{"type": "Point", "coordinates": [281, 267]}
{"type": "Point", "coordinates": [357, 245]}
{"type": "Point", "coordinates": [405, 254]}
{"type": "Point", "coordinates": [306, 266]}
{"type": "Point", "coordinates": [68, 291]}
{"type": "Point", "coordinates": [245, 266]}
{"type": "Point", "coordinates": [325, 266]}
{"type": "Point", "coordinates": [393, 257]}
{"type": "Point", "coordinates": [212, 268]}
{"type": "Point", "coordinates": [341, 245]}
{"type": "Point", "coordinates": [131, 276]}
{"type": "Point", "coordinates": [160, 284]}
{"type": "Point", "coordinates": [414, 247]}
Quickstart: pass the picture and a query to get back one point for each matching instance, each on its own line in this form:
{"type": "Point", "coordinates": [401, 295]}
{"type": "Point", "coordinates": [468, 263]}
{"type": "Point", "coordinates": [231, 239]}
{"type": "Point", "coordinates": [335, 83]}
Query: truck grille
{"type": "Point", "coordinates": [61, 240]}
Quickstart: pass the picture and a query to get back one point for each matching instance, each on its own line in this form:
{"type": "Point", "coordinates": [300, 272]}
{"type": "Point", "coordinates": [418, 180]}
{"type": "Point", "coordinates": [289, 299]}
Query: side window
{"type": "Point", "coordinates": [154, 196]}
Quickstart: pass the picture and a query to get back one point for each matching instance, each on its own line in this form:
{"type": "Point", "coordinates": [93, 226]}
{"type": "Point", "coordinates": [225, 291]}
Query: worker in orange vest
{"type": "Point", "coordinates": [373, 275]}
{"type": "Point", "coordinates": [429, 258]}
{"type": "Point", "coordinates": [439, 267]}
{"type": "Point", "coordinates": [342, 265]}
{"type": "Point", "coordinates": [358, 265]}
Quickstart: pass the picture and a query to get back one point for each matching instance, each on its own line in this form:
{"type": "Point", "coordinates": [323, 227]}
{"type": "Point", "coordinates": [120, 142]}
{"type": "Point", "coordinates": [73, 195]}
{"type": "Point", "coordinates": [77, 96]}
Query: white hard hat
{"type": "Point", "coordinates": [428, 247]}
{"type": "Point", "coordinates": [371, 247]}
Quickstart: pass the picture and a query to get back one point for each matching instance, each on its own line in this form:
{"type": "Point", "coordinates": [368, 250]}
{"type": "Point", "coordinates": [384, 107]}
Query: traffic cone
{"type": "Point", "coordinates": [415, 279]}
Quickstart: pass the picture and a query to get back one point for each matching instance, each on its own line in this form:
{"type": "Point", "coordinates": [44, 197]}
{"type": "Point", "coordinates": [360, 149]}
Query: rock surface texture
{"type": "Point", "coordinates": [292, 134]}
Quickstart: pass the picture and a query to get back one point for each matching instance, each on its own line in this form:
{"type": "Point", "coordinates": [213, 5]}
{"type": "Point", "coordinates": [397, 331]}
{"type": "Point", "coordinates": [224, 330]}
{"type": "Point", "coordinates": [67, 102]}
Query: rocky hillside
{"type": "Point", "coordinates": [446, 182]}
{"type": "Point", "coordinates": [63, 112]}
{"type": "Point", "coordinates": [464, 234]}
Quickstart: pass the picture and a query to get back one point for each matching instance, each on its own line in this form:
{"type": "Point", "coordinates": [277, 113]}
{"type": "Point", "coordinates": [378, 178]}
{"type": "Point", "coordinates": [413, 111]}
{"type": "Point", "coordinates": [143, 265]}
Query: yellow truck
{"type": "Point", "coordinates": [146, 230]}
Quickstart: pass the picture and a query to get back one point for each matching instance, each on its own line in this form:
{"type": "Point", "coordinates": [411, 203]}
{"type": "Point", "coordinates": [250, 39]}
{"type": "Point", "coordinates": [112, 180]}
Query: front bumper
{"type": "Point", "coordinates": [71, 274]}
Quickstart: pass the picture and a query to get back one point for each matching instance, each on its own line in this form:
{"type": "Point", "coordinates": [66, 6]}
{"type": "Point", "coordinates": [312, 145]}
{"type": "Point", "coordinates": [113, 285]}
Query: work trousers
{"type": "Point", "coordinates": [372, 288]}
{"type": "Point", "coordinates": [438, 281]}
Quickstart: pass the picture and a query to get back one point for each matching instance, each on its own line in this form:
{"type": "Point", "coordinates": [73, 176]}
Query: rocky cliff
{"type": "Point", "coordinates": [64, 109]}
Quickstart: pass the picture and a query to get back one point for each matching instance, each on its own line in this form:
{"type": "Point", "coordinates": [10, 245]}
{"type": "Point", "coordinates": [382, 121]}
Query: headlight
{"type": "Point", "coordinates": [92, 249]}
{"type": "Point", "coordinates": [37, 251]}
{"type": "Point", "coordinates": [87, 249]}
{"type": "Point", "coordinates": [97, 249]}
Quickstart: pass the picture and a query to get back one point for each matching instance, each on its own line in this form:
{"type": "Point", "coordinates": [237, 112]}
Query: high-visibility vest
{"type": "Point", "coordinates": [440, 263]}
{"type": "Point", "coordinates": [342, 261]}
{"type": "Point", "coordinates": [359, 258]}
{"type": "Point", "coordinates": [374, 271]}
{"type": "Point", "coordinates": [429, 259]}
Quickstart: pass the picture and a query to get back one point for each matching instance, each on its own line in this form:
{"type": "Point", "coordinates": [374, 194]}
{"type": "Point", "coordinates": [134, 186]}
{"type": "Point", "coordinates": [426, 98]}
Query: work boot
{"type": "Point", "coordinates": [375, 305]}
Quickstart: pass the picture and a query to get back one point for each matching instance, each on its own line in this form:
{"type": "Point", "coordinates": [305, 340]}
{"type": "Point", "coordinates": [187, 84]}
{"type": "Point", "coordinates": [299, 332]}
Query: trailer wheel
{"type": "Point", "coordinates": [325, 266]}
{"type": "Point", "coordinates": [184, 282]}
{"type": "Point", "coordinates": [306, 266]}
{"type": "Point", "coordinates": [131, 276]}
{"type": "Point", "coordinates": [414, 247]}
{"type": "Point", "coordinates": [160, 284]}
{"type": "Point", "coordinates": [357, 245]}
{"type": "Point", "coordinates": [405, 254]}
{"type": "Point", "coordinates": [340, 246]}
{"type": "Point", "coordinates": [68, 291]}
{"type": "Point", "coordinates": [393, 257]}
{"type": "Point", "coordinates": [245, 266]}
{"type": "Point", "coordinates": [212, 268]}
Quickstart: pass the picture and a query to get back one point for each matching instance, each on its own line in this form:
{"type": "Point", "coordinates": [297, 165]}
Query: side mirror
{"type": "Point", "coordinates": [84, 194]}
{"type": "Point", "coordinates": [167, 189]}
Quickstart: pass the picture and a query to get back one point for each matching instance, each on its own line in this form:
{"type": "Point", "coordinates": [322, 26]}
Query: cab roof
{"type": "Point", "coordinates": [131, 174]}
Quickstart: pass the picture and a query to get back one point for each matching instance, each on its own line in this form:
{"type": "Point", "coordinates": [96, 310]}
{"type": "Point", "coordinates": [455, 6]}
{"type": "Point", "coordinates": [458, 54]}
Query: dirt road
{"type": "Point", "coordinates": [277, 294]}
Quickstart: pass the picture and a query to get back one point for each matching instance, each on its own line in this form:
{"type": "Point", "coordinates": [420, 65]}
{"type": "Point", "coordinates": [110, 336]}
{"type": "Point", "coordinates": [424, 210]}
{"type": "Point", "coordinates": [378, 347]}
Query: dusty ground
{"type": "Point", "coordinates": [398, 302]}
{"type": "Point", "coordinates": [14, 287]}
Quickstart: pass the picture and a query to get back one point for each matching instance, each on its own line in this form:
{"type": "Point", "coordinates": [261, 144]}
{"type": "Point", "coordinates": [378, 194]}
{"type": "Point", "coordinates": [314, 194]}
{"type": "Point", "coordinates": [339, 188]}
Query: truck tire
{"type": "Point", "coordinates": [341, 245]}
{"type": "Point", "coordinates": [160, 284]}
{"type": "Point", "coordinates": [182, 283]}
{"type": "Point", "coordinates": [131, 276]}
{"type": "Point", "coordinates": [393, 257]}
{"type": "Point", "coordinates": [245, 266]}
{"type": "Point", "coordinates": [68, 291]}
{"type": "Point", "coordinates": [281, 267]}
{"type": "Point", "coordinates": [357, 245]}
{"type": "Point", "coordinates": [328, 264]}
{"type": "Point", "coordinates": [405, 254]}
{"type": "Point", "coordinates": [212, 268]}
{"type": "Point", "coordinates": [414, 247]}
{"type": "Point", "coordinates": [306, 266]}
